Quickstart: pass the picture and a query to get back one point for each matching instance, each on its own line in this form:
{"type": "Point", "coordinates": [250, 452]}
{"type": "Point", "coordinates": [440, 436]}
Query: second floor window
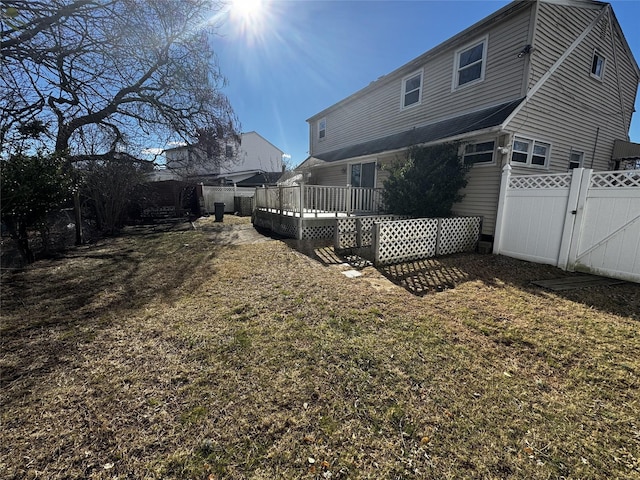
{"type": "Point", "coordinates": [470, 64]}
{"type": "Point", "coordinates": [322, 128]}
{"type": "Point", "coordinates": [411, 89]}
{"type": "Point", "coordinates": [597, 66]}
{"type": "Point", "coordinates": [228, 152]}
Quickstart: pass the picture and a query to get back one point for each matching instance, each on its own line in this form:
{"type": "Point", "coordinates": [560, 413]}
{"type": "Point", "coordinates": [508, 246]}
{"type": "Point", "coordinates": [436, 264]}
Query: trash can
{"type": "Point", "coordinates": [218, 209]}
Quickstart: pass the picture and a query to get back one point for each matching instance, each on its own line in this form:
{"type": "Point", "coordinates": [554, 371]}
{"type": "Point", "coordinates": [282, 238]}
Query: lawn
{"type": "Point", "coordinates": [177, 353]}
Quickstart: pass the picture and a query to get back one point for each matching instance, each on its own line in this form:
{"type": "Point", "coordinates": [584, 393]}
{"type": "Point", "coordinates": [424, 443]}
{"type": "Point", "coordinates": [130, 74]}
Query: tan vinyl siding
{"type": "Point", "coordinates": [572, 107]}
{"type": "Point", "coordinates": [330, 175]}
{"type": "Point", "coordinates": [338, 174]}
{"type": "Point", "coordinates": [378, 113]}
{"type": "Point", "coordinates": [481, 196]}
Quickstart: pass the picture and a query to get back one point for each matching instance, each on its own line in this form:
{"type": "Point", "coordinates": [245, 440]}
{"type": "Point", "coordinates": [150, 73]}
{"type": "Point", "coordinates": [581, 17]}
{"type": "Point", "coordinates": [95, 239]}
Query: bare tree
{"type": "Point", "coordinates": [115, 70]}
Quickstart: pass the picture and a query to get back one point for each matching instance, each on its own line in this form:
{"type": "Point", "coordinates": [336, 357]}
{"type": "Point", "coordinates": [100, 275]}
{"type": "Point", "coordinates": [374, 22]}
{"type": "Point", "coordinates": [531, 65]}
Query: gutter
{"type": "Point", "coordinates": [454, 138]}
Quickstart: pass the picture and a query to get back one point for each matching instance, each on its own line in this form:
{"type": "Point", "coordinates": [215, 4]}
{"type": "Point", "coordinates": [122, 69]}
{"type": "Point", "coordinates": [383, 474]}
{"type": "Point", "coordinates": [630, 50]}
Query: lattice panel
{"type": "Point", "coordinates": [347, 228]}
{"type": "Point", "coordinates": [260, 221]}
{"type": "Point", "coordinates": [406, 240]}
{"type": "Point", "coordinates": [347, 236]}
{"type": "Point", "coordinates": [560, 180]}
{"type": "Point", "coordinates": [366, 227]}
{"type": "Point", "coordinates": [623, 179]}
{"type": "Point", "coordinates": [286, 229]}
{"type": "Point", "coordinates": [458, 234]}
{"type": "Point", "coordinates": [316, 233]}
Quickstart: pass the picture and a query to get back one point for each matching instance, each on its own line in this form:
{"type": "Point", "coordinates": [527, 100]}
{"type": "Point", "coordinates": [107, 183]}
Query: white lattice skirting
{"type": "Point", "coordinates": [357, 232]}
{"type": "Point", "coordinates": [408, 240]}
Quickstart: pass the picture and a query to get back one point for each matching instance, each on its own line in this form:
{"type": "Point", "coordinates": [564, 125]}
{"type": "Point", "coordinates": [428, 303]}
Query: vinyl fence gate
{"type": "Point", "coordinates": [580, 221]}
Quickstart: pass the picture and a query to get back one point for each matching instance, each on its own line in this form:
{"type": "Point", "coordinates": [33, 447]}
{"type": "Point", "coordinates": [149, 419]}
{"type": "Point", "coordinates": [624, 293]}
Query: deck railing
{"type": "Point", "coordinates": [316, 200]}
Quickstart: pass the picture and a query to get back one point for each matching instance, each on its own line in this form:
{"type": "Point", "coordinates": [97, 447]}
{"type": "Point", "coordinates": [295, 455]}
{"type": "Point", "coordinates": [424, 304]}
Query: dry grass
{"type": "Point", "coordinates": [175, 354]}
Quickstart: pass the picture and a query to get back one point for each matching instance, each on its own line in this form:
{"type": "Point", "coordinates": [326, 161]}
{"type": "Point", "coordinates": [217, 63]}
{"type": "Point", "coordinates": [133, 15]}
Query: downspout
{"type": "Point", "coordinates": [595, 144]}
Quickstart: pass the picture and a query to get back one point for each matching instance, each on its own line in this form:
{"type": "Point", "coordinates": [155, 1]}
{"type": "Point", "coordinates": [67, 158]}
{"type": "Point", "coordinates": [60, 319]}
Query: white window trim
{"type": "Point", "coordinates": [528, 163]}
{"type": "Point", "coordinates": [324, 119]}
{"type": "Point", "coordinates": [484, 140]}
{"type": "Point", "coordinates": [404, 79]}
{"type": "Point", "coordinates": [375, 171]}
{"type": "Point", "coordinates": [604, 66]}
{"type": "Point", "coordinates": [456, 63]}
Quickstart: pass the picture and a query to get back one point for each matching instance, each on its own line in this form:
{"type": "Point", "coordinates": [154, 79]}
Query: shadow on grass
{"type": "Point", "coordinates": [425, 277]}
{"type": "Point", "coordinates": [422, 277]}
{"type": "Point", "coordinates": [53, 306]}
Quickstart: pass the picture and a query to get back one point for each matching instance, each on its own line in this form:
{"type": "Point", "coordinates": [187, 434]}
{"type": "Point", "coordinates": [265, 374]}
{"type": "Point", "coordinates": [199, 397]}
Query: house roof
{"type": "Point", "coordinates": [263, 178]}
{"type": "Point", "coordinates": [256, 133]}
{"type": "Point", "coordinates": [417, 62]}
{"type": "Point", "coordinates": [464, 36]}
{"type": "Point", "coordinates": [462, 124]}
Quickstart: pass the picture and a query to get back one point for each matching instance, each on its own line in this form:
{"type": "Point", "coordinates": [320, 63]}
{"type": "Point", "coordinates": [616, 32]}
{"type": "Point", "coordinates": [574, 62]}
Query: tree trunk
{"type": "Point", "coordinates": [21, 236]}
{"type": "Point", "coordinates": [78, 217]}
{"type": "Point", "coordinates": [62, 145]}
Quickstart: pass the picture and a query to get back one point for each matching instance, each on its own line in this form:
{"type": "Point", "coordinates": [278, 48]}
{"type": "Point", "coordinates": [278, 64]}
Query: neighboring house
{"type": "Point", "coordinates": [626, 155]}
{"type": "Point", "coordinates": [239, 162]}
{"type": "Point", "coordinates": [544, 85]}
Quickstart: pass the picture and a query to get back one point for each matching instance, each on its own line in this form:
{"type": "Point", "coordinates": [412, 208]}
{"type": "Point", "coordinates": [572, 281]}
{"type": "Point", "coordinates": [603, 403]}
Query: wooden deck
{"type": "Point", "coordinates": [310, 211]}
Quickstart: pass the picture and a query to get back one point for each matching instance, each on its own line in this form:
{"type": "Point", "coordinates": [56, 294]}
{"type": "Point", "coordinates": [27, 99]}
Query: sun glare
{"type": "Point", "coordinates": [246, 9]}
{"type": "Point", "coordinates": [248, 16]}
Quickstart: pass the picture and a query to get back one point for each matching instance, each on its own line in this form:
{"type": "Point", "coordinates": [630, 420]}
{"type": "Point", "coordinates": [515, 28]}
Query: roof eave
{"type": "Point", "coordinates": [453, 138]}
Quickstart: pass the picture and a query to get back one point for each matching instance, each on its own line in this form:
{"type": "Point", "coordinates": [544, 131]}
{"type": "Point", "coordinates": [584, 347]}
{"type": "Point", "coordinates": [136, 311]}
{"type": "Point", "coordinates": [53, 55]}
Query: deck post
{"type": "Point", "coordinates": [348, 200]}
{"type": "Point", "coordinates": [301, 219]}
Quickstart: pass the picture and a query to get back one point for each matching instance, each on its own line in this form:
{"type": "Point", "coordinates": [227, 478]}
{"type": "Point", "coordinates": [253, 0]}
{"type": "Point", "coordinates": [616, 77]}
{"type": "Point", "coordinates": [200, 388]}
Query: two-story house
{"type": "Point", "coordinates": [252, 157]}
{"type": "Point", "coordinates": [542, 85]}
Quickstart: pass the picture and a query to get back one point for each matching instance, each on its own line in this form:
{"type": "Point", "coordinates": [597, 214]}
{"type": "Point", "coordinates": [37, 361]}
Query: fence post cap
{"type": "Point", "coordinates": [507, 167]}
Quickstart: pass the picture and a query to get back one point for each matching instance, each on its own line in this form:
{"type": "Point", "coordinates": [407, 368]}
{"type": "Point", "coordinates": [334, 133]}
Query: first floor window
{"type": "Point", "coordinates": [363, 174]}
{"type": "Point", "coordinates": [530, 152]}
{"type": "Point", "coordinates": [479, 152]}
{"type": "Point", "coordinates": [575, 159]}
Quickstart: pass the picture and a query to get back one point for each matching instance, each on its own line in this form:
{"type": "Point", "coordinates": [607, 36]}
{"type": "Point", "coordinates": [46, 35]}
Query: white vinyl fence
{"type": "Point", "coordinates": [580, 221]}
{"type": "Point", "coordinates": [226, 195]}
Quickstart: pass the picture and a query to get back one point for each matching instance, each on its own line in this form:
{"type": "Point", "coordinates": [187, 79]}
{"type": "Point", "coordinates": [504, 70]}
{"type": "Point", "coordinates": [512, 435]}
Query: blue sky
{"type": "Point", "coordinates": [288, 60]}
